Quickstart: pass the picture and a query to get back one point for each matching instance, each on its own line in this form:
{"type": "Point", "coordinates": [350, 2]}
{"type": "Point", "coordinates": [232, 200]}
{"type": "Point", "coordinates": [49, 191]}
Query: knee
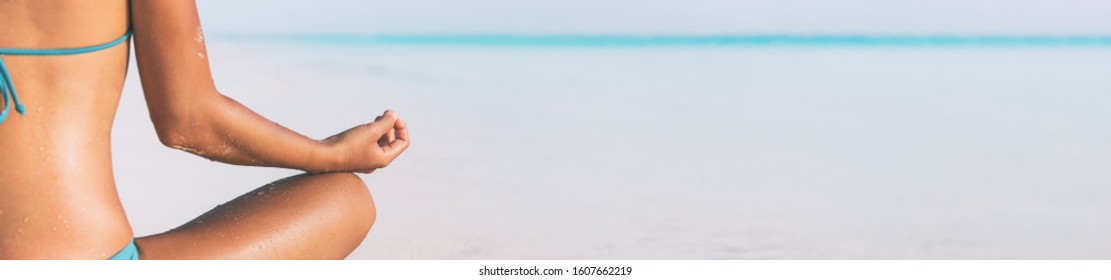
{"type": "Point", "coordinates": [353, 198]}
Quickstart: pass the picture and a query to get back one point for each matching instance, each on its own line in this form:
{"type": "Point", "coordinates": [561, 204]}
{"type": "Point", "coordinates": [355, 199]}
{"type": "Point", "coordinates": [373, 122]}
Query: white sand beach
{"type": "Point", "coordinates": [679, 152]}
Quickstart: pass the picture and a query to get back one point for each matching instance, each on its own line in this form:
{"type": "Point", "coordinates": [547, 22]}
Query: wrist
{"type": "Point", "coordinates": [328, 158]}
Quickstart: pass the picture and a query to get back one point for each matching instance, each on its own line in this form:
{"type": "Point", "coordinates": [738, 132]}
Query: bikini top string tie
{"type": "Point", "coordinates": [6, 86]}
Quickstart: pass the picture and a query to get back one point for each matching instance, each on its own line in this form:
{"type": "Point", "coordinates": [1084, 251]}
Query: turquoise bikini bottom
{"type": "Point", "coordinates": [128, 253]}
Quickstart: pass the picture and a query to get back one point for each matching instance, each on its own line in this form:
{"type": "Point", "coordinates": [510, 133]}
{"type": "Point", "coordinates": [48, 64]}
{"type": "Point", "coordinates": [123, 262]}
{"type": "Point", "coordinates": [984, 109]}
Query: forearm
{"type": "Point", "coordinates": [226, 131]}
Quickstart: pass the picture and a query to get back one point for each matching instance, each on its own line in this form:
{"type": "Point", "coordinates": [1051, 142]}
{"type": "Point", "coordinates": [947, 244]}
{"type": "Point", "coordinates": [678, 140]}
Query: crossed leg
{"type": "Point", "coordinates": [322, 216]}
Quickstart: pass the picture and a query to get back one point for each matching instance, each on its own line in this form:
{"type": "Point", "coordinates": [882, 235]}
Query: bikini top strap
{"type": "Point", "coordinates": [69, 51]}
{"type": "Point", "coordinates": [6, 86]}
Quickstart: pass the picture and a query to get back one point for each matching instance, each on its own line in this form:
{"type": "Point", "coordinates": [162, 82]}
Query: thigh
{"type": "Point", "coordinates": [322, 216]}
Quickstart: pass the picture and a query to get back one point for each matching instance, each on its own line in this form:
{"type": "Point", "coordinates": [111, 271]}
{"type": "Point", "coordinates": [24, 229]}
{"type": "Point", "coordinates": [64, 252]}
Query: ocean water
{"type": "Point", "coordinates": [632, 150]}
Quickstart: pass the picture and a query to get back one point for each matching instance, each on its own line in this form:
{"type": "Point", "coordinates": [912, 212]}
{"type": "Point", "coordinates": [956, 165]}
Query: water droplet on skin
{"type": "Point", "coordinates": [199, 36]}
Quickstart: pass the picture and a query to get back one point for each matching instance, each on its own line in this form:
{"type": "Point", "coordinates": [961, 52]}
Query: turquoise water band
{"type": "Point", "coordinates": [8, 88]}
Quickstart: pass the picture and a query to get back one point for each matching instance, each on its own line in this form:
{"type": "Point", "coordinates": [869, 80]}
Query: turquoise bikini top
{"type": "Point", "coordinates": [6, 86]}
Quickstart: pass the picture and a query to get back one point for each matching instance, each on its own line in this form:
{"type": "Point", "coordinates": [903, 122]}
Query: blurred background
{"type": "Point", "coordinates": [708, 129]}
{"type": "Point", "coordinates": [655, 17]}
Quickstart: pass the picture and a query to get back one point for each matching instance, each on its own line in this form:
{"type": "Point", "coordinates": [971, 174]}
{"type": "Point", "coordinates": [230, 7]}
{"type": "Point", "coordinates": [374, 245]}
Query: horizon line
{"type": "Point", "coordinates": [603, 40]}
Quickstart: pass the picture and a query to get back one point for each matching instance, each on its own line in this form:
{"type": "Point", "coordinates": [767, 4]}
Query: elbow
{"type": "Point", "coordinates": [172, 137]}
{"type": "Point", "coordinates": [182, 118]}
{"type": "Point", "coordinates": [181, 133]}
{"type": "Point", "coordinates": [180, 124]}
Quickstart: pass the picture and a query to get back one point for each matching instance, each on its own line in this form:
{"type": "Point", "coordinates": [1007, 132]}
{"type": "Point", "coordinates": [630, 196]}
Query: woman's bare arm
{"type": "Point", "coordinates": [190, 114]}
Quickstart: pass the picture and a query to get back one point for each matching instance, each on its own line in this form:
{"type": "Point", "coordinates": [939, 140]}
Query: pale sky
{"type": "Point", "coordinates": [876, 17]}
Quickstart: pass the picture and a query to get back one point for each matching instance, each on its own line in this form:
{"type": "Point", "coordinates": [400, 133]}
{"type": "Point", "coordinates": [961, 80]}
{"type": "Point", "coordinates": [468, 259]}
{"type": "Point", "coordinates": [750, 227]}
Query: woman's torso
{"type": "Point", "coordinates": [57, 194]}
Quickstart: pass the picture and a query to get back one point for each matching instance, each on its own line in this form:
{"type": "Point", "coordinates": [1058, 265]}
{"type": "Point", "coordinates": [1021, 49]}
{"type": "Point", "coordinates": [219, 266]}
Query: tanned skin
{"type": "Point", "coordinates": [58, 197]}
